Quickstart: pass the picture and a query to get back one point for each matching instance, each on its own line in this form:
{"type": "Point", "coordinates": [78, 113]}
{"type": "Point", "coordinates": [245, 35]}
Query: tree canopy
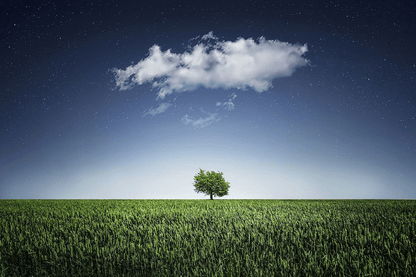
{"type": "Point", "coordinates": [211, 183]}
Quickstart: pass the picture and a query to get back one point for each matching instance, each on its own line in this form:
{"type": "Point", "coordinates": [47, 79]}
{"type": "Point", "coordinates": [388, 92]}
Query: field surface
{"type": "Point", "coordinates": [207, 238]}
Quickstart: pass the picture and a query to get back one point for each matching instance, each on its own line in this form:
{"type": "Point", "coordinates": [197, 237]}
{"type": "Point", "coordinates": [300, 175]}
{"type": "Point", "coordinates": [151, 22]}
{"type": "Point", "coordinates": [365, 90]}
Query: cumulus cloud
{"type": "Point", "coordinates": [228, 64]}
{"type": "Point", "coordinates": [201, 122]}
{"type": "Point", "coordinates": [162, 108]}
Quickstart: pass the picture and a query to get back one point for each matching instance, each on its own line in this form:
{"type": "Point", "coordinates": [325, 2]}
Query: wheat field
{"type": "Point", "coordinates": [207, 238]}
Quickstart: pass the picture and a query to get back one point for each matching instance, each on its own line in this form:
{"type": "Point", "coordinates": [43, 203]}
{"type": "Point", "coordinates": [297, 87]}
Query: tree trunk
{"type": "Point", "coordinates": [211, 197]}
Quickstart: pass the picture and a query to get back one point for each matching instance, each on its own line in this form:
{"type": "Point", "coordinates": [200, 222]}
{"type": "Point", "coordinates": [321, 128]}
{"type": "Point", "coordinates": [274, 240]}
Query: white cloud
{"type": "Point", "coordinates": [239, 64]}
{"type": "Point", "coordinates": [162, 108]}
{"type": "Point", "coordinates": [201, 122]}
{"type": "Point", "coordinates": [210, 35]}
{"type": "Point", "coordinates": [228, 105]}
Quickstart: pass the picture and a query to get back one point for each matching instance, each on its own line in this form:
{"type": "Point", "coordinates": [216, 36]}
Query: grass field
{"type": "Point", "coordinates": [207, 238]}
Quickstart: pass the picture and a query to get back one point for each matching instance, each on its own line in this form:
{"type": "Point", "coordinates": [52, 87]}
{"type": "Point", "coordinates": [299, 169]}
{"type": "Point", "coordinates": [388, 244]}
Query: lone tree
{"type": "Point", "coordinates": [211, 183]}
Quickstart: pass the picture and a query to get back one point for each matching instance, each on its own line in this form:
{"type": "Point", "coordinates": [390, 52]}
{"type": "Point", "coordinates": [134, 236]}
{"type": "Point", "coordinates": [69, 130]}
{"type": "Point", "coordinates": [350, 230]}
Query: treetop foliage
{"type": "Point", "coordinates": [211, 183]}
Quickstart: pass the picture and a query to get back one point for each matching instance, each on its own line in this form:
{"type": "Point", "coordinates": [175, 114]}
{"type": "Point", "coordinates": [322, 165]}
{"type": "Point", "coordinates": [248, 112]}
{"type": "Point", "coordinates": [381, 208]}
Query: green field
{"type": "Point", "coordinates": [207, 238]}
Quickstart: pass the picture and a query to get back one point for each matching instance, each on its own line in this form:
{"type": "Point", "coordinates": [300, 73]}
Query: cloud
{"type": "Point", "coordinates": [228, 105]}
{"type": "Point", "coordinates": [227, 64]}
{"type": "Point", "coordinates": [201, 122]}
{"type": "Point", "coordinates": [162, 108]}
{"type": "Point", "coordinates": [210, 35]}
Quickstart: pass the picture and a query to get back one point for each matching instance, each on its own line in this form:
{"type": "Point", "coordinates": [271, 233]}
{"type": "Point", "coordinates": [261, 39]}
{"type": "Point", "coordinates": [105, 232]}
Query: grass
{"type": "Point", "coordinates": [207, 238]}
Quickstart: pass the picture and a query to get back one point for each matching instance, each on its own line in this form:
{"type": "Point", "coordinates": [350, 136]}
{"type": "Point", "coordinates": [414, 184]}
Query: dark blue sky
{"type": "Point", "coordinates": [334, 119]}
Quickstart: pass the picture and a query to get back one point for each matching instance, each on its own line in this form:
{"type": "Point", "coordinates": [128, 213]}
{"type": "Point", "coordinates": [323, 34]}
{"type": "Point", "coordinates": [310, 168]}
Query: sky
{"type": "Point", "coordinates": [129, 99]}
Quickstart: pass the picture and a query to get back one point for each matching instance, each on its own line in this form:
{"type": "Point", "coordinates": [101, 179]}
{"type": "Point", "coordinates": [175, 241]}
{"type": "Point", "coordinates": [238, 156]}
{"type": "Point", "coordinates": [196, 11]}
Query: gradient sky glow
{"type": "Point", "coordinates": [125, 100]}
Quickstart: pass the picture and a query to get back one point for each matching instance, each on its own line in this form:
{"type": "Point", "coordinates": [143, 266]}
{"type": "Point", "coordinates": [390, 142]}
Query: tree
{"type": "Point", "coordinates": [211, 183]}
